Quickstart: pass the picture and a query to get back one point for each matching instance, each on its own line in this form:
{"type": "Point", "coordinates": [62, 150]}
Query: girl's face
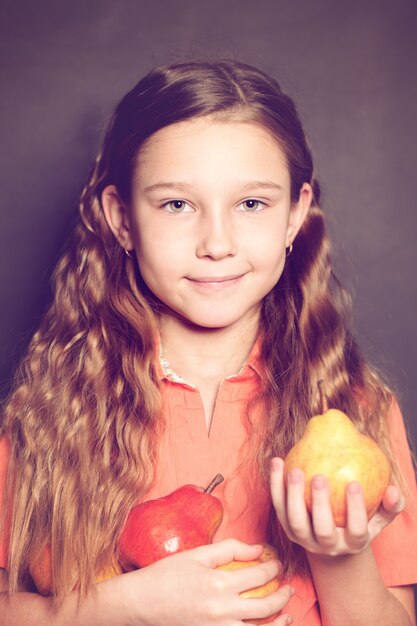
{"type": "Point", "coordinates": [210, 219]}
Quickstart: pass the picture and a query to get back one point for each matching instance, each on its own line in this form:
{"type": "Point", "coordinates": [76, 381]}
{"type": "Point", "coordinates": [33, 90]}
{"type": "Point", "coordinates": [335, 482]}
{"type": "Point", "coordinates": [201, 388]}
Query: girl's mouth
{"type": "Point", "coordinates": [215, 283]}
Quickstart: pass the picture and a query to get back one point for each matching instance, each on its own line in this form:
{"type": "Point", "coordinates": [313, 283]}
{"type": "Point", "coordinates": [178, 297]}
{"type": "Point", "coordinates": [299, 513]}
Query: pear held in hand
{"type": "Point", "coordinates": [257, 592]}
{"type": "Point", "coordinates": [184, 519]}
{"type": "Point", "coordinates": [333, 447]}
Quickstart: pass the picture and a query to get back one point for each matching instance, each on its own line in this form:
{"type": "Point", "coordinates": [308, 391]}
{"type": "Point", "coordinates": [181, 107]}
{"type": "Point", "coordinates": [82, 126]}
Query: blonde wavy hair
{"type": "Point", "coordinates": [84, 414]}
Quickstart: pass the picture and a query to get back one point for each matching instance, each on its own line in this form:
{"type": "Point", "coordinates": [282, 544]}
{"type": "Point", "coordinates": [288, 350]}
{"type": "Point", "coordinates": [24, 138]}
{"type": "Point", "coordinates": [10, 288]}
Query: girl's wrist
{"type": "Point", "coordinates": [334, 561]}
{"type": "Point", "coordinates": [117, 592]}
{"type": "Point", "coordinates": [344, 572]}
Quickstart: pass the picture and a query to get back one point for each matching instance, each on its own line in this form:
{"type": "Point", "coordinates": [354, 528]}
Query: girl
{"type": "Point", "coordinates": [194, 314]}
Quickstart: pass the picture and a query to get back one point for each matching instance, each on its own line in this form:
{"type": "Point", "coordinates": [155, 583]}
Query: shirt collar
{"type": "Point", "coordinates": [252, 365]}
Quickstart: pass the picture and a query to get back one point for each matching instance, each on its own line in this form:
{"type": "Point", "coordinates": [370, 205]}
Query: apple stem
{"type": "Point", "coordinates": [323, 397]}
{"type": "Point", "coordinates": [216, 481]}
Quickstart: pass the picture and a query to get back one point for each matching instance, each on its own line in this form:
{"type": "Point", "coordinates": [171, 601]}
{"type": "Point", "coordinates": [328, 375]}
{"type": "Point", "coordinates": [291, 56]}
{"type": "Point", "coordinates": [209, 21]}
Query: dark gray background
{"type": "Point", "coordinates": [350, 66]}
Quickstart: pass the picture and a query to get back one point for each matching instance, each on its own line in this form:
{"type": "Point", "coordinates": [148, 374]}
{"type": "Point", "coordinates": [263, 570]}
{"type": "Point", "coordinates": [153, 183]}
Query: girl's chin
{"type": "Point", "coordinates": [211, 321]}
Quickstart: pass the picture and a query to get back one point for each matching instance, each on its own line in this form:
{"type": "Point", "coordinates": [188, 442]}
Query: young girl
{"type": "Point", "coordinates": [194, 314]}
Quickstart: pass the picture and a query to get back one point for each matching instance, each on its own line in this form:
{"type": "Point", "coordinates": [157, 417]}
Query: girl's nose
{"type": "Point", "coordinates": [216, 237]}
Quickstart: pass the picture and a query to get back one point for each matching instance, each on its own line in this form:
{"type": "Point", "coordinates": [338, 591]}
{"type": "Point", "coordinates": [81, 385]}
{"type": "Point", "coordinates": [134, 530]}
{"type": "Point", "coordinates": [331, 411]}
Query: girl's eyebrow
{"type": "Point", "coordinates": [168, 185]}
{"type": "Point", "coordinates": [261, 184]}
{"type": "Point", "coordinates": [256, 184]}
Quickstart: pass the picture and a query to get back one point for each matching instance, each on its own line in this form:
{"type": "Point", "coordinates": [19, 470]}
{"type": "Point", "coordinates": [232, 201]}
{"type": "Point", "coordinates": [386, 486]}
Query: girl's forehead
{"type": "Point", "coordinates": [210, 132]}
{"type": "Point", "coordinates": [212, 156]}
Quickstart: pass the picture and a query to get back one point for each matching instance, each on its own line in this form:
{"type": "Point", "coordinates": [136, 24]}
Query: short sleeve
{"type": "Point", "coordinates": [4, 537]}
{"type": "Point", "coordinates": [395, 548]}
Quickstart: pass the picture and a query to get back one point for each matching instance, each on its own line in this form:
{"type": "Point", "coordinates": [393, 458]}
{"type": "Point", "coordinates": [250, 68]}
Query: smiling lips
{"type": "Point", "coordinates": [215, 281]}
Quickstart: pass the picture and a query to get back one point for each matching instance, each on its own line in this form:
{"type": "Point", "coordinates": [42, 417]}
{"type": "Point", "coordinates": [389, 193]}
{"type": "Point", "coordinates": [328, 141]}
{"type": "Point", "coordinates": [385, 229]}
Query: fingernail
{"type": "Point", "coordinates": [292, 591]}
{"type": "Point", "coordinates": [395, 494]}
{"type": "Point", "coordinates": [295, 476]}
{"type": "Point", "coordinates": [289, 620]}
{"type": "Point", "coordinates": [318, 482]}
{"type": "Point", "coordinates": [354, 488]}
{"type": "Point", "coordinates": [276, 464]}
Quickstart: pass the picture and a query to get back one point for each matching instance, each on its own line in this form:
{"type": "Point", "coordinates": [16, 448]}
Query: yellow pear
{"type": "Point", "coordinates": [332, 446]}
{"type": "Point", "coordinates": [109, 572]}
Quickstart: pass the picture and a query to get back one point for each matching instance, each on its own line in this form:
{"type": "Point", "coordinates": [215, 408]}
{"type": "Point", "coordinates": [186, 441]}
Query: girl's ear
{"type": "Point", "coordinates": [298, 212]}
{"type": "Point", "coordinates": [117, 216]}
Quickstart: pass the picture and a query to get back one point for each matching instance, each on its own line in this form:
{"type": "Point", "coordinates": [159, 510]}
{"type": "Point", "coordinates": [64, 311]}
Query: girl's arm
{"type": "Point", "coordinates": [180, 590]}
{"type": "Point", "coordinates": [349, 586]}
{"type": "Point", "coordinates": [350, 590]}
{"type": "Point", "coordinates": [33, 609]}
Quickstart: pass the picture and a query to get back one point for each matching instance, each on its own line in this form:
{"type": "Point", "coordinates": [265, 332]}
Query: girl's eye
{"type": "Point", "coordinates": [176, 206]}
{"type": "Point", "coordinates": [252, 205]}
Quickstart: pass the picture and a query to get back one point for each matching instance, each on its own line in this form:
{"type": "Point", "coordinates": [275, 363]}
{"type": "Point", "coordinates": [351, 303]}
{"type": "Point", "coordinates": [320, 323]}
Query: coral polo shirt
{"type": "Point", "coordinates": [188, 453]}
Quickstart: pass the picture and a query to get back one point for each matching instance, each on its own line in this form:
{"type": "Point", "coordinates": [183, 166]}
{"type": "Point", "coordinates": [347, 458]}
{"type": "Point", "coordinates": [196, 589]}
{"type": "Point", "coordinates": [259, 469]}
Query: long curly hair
{"type": "Point", "coordinates": [85, 411]}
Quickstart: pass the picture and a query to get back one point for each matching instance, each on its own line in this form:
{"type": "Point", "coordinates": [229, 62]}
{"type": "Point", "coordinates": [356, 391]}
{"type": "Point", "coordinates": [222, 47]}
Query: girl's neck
{"type": "Point", "coordinates": [197, 354]}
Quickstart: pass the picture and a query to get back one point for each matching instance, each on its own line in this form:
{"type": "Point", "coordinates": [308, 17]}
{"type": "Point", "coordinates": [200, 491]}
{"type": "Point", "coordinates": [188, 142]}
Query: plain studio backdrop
{"type": "Point", "coordinates": [349, 65]}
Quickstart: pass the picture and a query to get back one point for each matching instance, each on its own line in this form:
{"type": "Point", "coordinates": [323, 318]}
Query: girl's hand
{"type": "Point", "coordinates": [317, 532]}
{"type": "Point", "coordinates": [185, 589]}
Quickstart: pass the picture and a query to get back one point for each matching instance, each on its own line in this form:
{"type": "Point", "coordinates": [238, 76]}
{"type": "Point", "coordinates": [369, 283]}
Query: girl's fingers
{"type": "Point", "coordinates": [393, 501]}
{"type": "Point", "coordinates": [297, 514]}
{"type": "Point", "coordinates": [254, 576]}
{"type": "Point", "coordinates": [392, 504]}
{"type": "Point", "coordinates": [321, 513]}
{"type": "Point", "coordinates": [278, 489]}
{"type": "Point", "coordinates": [289, 502]}
{"type": "Point", "coordinates": [357, 532]}
{"type": "Point", "coordinates": [282, 620]}
{"type": "Point", "coordinates": [256, 608]}
{"type": "Point", "coordinates": [222, 552]}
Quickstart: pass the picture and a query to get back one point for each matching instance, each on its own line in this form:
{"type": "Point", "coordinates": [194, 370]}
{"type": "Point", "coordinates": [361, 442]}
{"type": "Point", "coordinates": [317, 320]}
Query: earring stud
{"type": "Point", "coordinates": [289, 250]}
{"type": "Point", "coordinates": [127, 253]}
